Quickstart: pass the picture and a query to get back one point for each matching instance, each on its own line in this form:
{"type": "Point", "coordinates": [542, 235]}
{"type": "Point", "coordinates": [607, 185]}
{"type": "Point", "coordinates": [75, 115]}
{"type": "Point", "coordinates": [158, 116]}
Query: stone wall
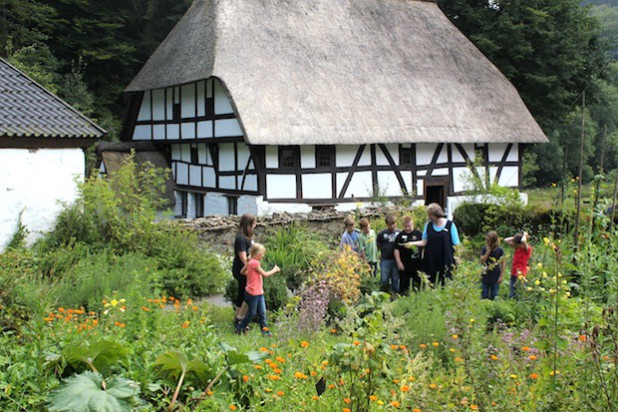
{"type": "Point", "coordinates": [219, 231]}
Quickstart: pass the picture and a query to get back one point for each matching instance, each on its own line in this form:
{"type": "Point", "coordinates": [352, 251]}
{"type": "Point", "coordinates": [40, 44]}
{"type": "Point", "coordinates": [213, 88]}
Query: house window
{"type": "Point", "coordinates": [184, 201]}
{"type": "Point", "coordinates": [199, 205]}
{"type": "Point", "coordinates": [324, 156]}
{"type": "Point", "coordinates": [288, 157]}
{"type": "Point", "coordinates": [194, 155]}
{"type": "Point", "coordinates": [232, 205]}
{"type": "Point", "coordinates": [405, 156]}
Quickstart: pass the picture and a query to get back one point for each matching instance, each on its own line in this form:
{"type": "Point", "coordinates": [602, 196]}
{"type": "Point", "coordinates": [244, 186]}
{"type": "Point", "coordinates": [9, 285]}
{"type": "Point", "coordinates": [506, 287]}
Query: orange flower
{"type": "Point", "coordinates": [347, 400]}
{"type": "Point", "coordinates": [493, 357]}
{"type": "Point", "coordinates": [346, 410]}
{"type": "Point", "coordinates": [395, 381]}
{"type": "Point", "coordinates": [458, 360]}
{"type": "Point", "coordinates": [582, 338]}
{"type": "Point", "coordinates": [423, 346]}
{"type": "Point", "coordinates": [263, 349]}
{"type": "Point", "coordinates": [405, 388]}
{"type": "Point", "coordinates": [394, 347]}
{"type": "Point", "coordinates": [532, 357]}
{"type": "Point", "coordinates": [315, 397]}
{"type": "Point", "coordinates": [373, 398]}
{"type": "Point", "coordinates": [356, 343]}
{"type": "Point", "coordinates": [280, 359]}
{"type": "Point", "coordinates": [333, 331]}
{"type": "Point", "coordinates": [534, 376]}
{"type": "Point", "coordinates": [525, 349]}
{"type": "Point", "coordinates": [416, 410]}
{"type": "Point", "coordinates": [395, 404]}
{"type": "Point", "coordinates": [313, 373]}
{"type": "Point", "coordinates": [258, 367]}
{"type": "Point", "coordinates": [331, 386]}
{"type": "Point", "coordinates": [304, 344]}
{"type": "Point", "coordinates": [245, 378]}
{"type": "Point", "coordinates": [474, 407]}
{"type": "Point", "coordinates": [280, 393]}
{"type": "Point", "coordinates": [433, 386]}
{"type": "Point", "coordinates": [233, 407]}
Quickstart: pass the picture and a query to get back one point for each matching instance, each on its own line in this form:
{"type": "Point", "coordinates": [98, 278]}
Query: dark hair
{"type": "Point", "coordinates": [517, 238]}
{"type": "Point", "coordinates": [246, 225]}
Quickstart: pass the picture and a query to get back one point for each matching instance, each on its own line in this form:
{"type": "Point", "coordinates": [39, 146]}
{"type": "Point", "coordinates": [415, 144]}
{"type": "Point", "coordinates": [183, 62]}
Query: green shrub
{"type": "Point", "coordinates": [188, 269]}
{"type": "Point", "coordinates": [293, 248]}
{"type": "Point", "coordinates": [470, 218]}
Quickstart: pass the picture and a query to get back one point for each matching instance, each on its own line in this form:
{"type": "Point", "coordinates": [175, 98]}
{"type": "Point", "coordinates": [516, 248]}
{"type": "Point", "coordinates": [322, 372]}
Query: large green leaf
{"type": "Point", "coordinates": [85, 393]}
{"type": "Point", "coordinates": [172, 364]}
{"type": "Point", "coordinates": [235, 358]}
{"type": "Point", "coordinates": [101, 354]}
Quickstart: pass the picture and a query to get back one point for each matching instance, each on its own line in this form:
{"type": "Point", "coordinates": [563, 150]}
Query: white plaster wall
{"type": "Point", "coordinates": [158, 104]}
{"type": "Point", "coordinates": [227, 128]}
{"type": "Point", "coordinates": [215, 204]}
{"type": "Point", "coordinates": [307, 157]}
{"type": "Point", "coordinates": [266, 208]}
{"type": "Point", "coordinates": [388, 184]}
{"type": "Point", "coordinates": [226, 157]}
{"type": "Point", "coordinates": [317, 186]}
{"type": "Point", "coordinates": [281, 186]}
{"type": "Point", "coordinates": [247, 204]}
{"type": "Point", "coordinates": [424, 153]}
{"type": "Point", "coordinates": [360, 184]}
{"type": "Point", "coordinates": [509, 177]}
{"type": "Point", "coordinates": [36, 181]}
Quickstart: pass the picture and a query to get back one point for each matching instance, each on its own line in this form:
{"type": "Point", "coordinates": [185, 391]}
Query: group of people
{"type": "Point", "coordinates": [407, 252]}
{"type": "Point", "coordinates": [403, 254]}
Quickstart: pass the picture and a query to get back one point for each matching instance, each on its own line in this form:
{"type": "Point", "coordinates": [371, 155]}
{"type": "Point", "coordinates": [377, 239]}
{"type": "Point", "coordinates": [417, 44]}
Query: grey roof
{"type": "Point", "coordinates": [29, 110]}
{"type": "Point", "coordinates": [342, 72]}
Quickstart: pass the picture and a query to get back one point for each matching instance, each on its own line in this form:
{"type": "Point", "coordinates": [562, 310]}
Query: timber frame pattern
{"type": "Point", "coordinates": [197, 128]}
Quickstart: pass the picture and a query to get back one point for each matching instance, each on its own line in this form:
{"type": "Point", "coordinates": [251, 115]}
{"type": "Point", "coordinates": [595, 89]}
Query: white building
{"type": "Point", "coordinates": [264, 106]}
{"type": "Point", "coordinates": [42, 143]}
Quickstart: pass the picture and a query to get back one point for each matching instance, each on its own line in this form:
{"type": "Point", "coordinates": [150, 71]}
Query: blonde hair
{"type": "Point", "coordinates": [435, 210]}
{"type": "Point", "coordinates": [256, 249]}
{"type": "Point", "coordinates": [348, 221]}
{"type": "Point", "coordinates": [407, 219]}
{"type": "Point", "coordinates": [492, 239]}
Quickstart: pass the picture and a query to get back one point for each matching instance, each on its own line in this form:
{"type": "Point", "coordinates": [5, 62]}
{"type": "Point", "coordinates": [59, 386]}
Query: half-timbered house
{"type": "Point", "coordinates": [42, 143]}
{"type": "Point", "coordinates": [270, 105]}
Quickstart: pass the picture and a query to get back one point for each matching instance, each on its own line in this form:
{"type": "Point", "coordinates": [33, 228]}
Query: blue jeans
{"type": "Point", "coordinates": [389, 270]}
{"type": "Point", "coordinates": [490, 290]}
{"type": "Point", "coordinates": [257, 305]}
{"type": "Point", "coordinates": [513, 282]}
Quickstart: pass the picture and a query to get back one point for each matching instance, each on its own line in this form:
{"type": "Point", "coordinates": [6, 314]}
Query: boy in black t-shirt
{"type": "Point", "coordinates": [408, 260]}
{"type": "Point", "coordinates": [388, 265]}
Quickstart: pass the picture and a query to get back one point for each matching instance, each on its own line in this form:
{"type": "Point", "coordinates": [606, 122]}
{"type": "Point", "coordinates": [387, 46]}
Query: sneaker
{"type": "Point", "coordinates": [237, 322]}
{"type": "Point", "coordinates": [243, 331]}
{"type": "Point", "coordinates": [267, 333]}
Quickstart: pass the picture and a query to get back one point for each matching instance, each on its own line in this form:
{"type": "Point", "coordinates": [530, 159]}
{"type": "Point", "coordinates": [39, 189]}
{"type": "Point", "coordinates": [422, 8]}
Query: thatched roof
{"type": "Point", "coordinates": [342, 72]}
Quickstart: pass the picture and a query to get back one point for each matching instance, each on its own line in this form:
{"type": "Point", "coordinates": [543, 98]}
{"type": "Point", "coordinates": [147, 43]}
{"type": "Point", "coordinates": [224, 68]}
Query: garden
{"type": "Point", "coordinates": [107, 313]}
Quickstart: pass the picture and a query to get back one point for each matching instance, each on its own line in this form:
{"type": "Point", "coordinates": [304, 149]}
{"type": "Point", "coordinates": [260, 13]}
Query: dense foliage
{"type": "Point", "coordinates": [553, 52]}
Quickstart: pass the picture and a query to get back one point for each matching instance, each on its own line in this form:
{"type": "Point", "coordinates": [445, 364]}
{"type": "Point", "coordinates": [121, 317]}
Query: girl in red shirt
{"type": "Point", "coordinates": [522, 254]}
{"type": "Point", "coordinates": [254, 291]}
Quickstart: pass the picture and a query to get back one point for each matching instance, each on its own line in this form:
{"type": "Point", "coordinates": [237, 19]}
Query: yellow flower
{"type": "Point", "coordinates": [513, 376]}
{"type": "Point", "coordinates": [455, 337]}
{"type": "Point", "coordinates": [433, 386]}
{"type": "Point", "coordinates": [436, 344]}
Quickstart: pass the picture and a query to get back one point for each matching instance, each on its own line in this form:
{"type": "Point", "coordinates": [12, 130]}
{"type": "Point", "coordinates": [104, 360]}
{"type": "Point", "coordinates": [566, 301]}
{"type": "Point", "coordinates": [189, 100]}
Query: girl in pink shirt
{"type": "Point", "coordinates": [254, 291]}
